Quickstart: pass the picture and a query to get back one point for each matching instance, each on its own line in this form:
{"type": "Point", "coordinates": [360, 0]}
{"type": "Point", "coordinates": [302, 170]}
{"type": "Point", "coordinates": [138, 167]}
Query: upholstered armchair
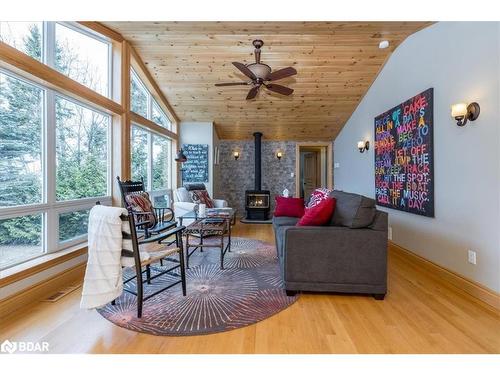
{"type": "Point", "coordinates": [183, 202]}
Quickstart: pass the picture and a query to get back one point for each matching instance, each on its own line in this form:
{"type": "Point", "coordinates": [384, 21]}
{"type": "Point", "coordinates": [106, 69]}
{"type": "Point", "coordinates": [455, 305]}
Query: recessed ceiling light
{"type": "Point", "coordinates": [383, 44]}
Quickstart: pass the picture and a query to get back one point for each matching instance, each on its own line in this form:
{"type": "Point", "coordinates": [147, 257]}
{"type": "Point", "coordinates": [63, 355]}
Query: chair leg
{"type": "Point", "coordinates": [183, 272]}
{"type": "Point", "coordinates": [139, 294]}
{"type": "Point", "coordinates": [187, 251]}
{"type": "Point", "coordinates": [148, 274]}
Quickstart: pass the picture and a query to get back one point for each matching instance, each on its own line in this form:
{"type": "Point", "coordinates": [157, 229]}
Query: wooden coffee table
{"type": "Point", "coordinates": [204, 227]}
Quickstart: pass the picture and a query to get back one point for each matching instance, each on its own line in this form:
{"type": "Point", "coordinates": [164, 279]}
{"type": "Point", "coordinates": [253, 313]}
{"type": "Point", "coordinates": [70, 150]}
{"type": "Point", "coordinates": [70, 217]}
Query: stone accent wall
{"type": "Point", "coordinates": [236, 176]}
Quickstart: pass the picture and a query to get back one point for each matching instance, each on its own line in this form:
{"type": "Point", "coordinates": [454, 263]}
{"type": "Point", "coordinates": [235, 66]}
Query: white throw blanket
{"type": "Point", "coordinates": [103, 278]}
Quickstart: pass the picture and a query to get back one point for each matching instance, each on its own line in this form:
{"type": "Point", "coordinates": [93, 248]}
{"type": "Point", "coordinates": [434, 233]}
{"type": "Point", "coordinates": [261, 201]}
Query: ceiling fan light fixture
{"type": "Point", "coordinates": [260, 74]}
{"type": "Point", "coordinates": [261, 71]}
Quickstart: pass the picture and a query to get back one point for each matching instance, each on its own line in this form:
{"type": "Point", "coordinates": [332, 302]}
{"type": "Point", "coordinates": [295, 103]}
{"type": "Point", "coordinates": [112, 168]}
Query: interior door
{"type": "Point", "coordinates": [310, 173]}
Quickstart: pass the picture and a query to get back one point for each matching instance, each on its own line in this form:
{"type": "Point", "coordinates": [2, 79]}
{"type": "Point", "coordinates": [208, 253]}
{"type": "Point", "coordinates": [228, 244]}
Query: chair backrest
{"type": "Point", "coordinates": [132, 236]}
{"type": "Point", "coordinates": [130, 187]}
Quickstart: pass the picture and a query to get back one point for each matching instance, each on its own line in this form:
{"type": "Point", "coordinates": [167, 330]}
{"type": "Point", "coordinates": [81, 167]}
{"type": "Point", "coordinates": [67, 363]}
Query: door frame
{"type": "Point", "coordinates": [329, 163]}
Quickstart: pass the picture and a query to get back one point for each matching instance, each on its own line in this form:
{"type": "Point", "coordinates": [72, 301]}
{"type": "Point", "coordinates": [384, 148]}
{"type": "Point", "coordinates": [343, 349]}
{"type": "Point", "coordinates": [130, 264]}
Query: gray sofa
{"type": "Point", "coordinates": [348, 256]}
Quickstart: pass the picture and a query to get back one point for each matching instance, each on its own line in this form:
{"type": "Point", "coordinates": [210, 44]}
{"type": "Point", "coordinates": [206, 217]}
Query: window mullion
{"type": "Point", "coordinates": [50, 174]}
{"type": "Point", "coordinates": [150, 161]}
{"type": "Point", "coordinates": [50, 43]}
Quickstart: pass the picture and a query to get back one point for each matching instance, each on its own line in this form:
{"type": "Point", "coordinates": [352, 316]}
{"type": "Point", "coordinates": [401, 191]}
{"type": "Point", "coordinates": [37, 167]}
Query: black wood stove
{"type": "Point", "coordinates": [257, 201]}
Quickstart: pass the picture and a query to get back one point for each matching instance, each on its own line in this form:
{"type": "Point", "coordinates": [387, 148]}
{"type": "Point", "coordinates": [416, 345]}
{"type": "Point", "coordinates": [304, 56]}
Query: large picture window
{"type": "Point", "coordinates": [81, 151]}
{"type": "Point", "coordinates": [143, 103]}
{"type": "Point", "coordinates": [47, 187]}
{"type": "Point", "coordinates": [151, 161]}
{"type": "Point", "coordinates": [76, 52]}
{"type": "Point", "coordinates": [140, 154]}
{"type": "Point", "coordinates": [139, 96]}
{"type": "Point", "coordinates": [24, 36]}
{"type": "Point", "coordinates": [82, 58]}
{"type": "Point", "coordinates": [21, 123]}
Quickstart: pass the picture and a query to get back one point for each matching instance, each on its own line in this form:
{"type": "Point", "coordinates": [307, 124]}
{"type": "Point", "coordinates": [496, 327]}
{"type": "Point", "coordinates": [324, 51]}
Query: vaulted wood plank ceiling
{"type": "Point", "coordinates": [336, 64]}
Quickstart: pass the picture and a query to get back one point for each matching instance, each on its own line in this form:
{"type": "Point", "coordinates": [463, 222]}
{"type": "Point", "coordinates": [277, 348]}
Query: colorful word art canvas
{"type": "Point", "coordinates": [404, 157]}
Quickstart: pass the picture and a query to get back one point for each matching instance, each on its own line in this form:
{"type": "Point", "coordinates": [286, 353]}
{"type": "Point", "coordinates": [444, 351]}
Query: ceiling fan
{"type": "Point", "coordinates": [260, 74]}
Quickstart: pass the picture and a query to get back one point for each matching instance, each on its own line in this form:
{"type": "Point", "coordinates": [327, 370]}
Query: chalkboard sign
{"type": "Point", "coordinates": [196, 166]}
{"type": "Point", "coordinates": [404, 156]}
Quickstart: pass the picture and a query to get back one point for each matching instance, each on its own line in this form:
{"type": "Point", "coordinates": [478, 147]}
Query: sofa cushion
{"type": "Point", "coordinates": [140, 202]}
{"type": "Point", "coordinates": [380, 221]}
{"type": "Point", "coordinates": [352, 210]}
{"type": "Point", "coordinates": [320, 214]}
{"type": "Point", "coordinates": [290, 207]}
{"type": "Point", "coordinates": [182, 195]}
{"type": "Point", "coordinates": [279, 221]}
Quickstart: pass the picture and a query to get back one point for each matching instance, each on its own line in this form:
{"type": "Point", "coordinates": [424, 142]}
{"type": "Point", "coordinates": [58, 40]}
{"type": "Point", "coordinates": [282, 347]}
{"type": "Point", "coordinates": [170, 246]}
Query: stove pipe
{"type": "Point", "coordinates": [258, 142]}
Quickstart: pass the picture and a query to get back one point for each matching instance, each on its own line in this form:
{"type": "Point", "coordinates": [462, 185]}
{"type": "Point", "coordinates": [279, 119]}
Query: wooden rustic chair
{"type": "Point", "coordinates": [165, 218]}
{"type": "Point", "coordinates": [158, 252]}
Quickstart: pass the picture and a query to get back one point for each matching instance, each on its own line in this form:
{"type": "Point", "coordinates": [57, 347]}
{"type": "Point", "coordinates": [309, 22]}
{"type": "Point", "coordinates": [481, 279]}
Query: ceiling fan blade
{"type": "Point", "coordinates": [282, 73]}
{"type": "Point", "coordinates": [253, 92]}
{"type": "Point", "coordinates": [279, 89]}
{"type": "Point", "coordinates": [243, 68]}
{"type": "Point", "coordinates": [232, 84]}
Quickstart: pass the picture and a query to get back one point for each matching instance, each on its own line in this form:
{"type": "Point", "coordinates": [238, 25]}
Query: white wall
{"type": "Point", "coordinates": [461, 60]}
{"type": "Point", "coordinates": [201, 133]}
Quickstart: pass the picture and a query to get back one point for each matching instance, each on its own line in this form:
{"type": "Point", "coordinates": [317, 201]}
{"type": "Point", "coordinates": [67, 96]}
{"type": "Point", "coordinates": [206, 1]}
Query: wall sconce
{"type": "Point", "coordinates": [363, 145]}
{"type": "Point", "coordinates": [279, 155]}
{"type": "Point", "coordinates": [463, 112]}
{"type": "Point", "coordinates": [236, 155]}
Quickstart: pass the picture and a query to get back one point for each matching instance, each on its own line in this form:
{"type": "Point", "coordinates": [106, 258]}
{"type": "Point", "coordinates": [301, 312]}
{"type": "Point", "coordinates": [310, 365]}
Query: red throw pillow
{"type": "Point", "coordinates": [293, 207]}
{"type": "Point", "coordinates": [319, 214]}
{"type": "Point", "coordinates": [317, 196]}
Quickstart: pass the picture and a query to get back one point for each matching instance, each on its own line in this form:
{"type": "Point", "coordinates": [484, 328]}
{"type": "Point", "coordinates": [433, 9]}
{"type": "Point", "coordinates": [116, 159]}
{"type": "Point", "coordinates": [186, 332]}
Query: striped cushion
{"type": "Point", "coordinates": [140, 202]}
{"type": "Point", "coordinates": [202, 197]}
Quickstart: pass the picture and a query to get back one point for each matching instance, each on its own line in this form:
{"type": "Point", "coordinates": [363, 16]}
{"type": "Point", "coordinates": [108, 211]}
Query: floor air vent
{"type": "Point", "coordinates": [61, 293]}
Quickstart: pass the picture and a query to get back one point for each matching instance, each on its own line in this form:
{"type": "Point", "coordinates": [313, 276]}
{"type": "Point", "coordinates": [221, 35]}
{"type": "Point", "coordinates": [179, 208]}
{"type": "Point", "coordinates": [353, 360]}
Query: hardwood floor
{"type": "Point", "coordinates": [418, 315]}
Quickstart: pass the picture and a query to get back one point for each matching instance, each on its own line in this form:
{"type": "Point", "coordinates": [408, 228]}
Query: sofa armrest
{"type": "Point", "coordinates": [219, 203]}
{"type": "Point", "coordinates": [323, 254]}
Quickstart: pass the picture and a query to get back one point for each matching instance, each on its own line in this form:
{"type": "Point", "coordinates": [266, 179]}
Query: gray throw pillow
{"type": "Point", "coordinates": [352, 210]}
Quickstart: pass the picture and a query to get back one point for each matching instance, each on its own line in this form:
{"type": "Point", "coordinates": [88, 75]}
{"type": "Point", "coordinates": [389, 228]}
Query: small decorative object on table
{"type": "Point", "coordinates": [202, 210]}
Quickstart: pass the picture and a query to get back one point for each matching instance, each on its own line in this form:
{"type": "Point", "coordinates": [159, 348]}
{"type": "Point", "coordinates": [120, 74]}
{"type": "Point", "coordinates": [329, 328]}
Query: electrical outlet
{"type": "Point", "coordinates": [336, 165]}
{"type": "Point", "coordinates": [471, 256]}
{"type": "Point", "coordinates": [292, 174]}
{"type": "Point", "coordinates": [389, 233]}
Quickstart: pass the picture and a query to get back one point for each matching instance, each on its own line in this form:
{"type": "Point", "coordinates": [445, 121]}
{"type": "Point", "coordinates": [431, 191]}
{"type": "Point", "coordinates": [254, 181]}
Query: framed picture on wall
{"type": "Point", "coordinates": [404, 156]}
{"type": "Point", "coordinates": [196, 166]}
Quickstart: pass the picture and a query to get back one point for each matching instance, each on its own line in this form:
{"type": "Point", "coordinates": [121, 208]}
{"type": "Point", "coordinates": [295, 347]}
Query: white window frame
{"type": "Point", "coordinates": [135, 77]}
{"type": "Point", "coordinates": [149, 169]}
{"type": "Point", "coordinates": [51, 39]}
{"type": "Point", "coordinates": [162, 113]}
{"type": "Point", "coordinates": [49, 207]}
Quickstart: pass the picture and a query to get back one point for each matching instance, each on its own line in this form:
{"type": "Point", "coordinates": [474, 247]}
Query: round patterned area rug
{"type": "Point", "coordinates": [248, 289]}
